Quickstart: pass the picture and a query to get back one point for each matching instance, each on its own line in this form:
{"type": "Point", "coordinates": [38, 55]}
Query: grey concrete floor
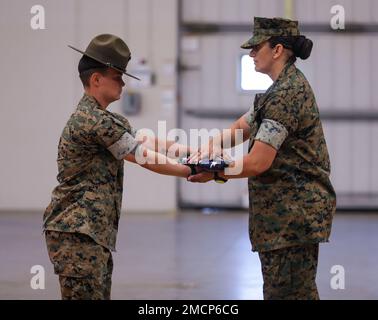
{"type": "Point", "coordinates": [189, 256]}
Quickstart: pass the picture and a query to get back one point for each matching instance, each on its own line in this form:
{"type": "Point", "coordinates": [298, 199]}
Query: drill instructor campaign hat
{"type": "Point", "coordinates": [109, 50]}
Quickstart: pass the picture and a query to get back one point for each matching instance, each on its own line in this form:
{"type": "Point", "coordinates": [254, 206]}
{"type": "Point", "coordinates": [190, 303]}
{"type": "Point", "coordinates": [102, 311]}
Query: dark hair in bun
{"type": "Point", "coordinates": [300, 45]}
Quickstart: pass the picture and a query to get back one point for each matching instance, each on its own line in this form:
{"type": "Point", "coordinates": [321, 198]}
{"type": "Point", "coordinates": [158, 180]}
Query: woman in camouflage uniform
{"type": "Point", "coordinates": [292, 200]}
{"type": "Point", "coordinates": [81, 220]}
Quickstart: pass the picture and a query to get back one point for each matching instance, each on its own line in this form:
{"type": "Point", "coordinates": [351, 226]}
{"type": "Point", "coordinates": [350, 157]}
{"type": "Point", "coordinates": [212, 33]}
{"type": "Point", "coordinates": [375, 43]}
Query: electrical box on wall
{"type": "Point", "coordinates": [131, 103]}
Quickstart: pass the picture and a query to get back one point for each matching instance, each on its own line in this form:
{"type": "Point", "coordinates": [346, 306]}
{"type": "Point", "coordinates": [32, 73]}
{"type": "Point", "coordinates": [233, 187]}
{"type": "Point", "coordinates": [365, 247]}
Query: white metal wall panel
{"type": "Point", "coordinates": [191, 10]}
{"type": "Point", "coordinates": [190, 90]}
{"type": "Point", "coordinates": [210, 73]}
{"type": "Point", "coordinates": [373, 64]}
{"type": "Point", "coordinates": [360, 11]}
{"type": "Point", "coordinates": [322, 11]}
{"type": "Point", "coordinates": [309, 11]}
{"type": "Point", "coordinates": [158, 35]}
{"type": "Point", "coordinates": [191, 60]}
{"type": "Point", "coordinates": [340, 144]}
{"type": "Point", "coordinates": [229, 11]}
{"type": "Point", "coordinates": [271, 8]}
{"type": "Point", "coordinates": [210, 10]}
{"type": "Point", "coordinates": [361, 71]}
{"type": "Point", "coordinates": [324, 71]}
{"type": "Point", "coordinates": [87, 26]}
{"type": "Point", "coordinates": [374, 11]}
{"type": "Point", "coordinates": [305, 11]}
{"type": "Point", "coordinates": [36, 99]}
{"type": "Point", "coordinates": [190, 51]}
{"type": "Point", "coordinates": [141, 19]}
{"type": "Point", "coordinates": [374, 158]}
{"type": "Point", "coordinates": [248, 9]}
{"type": "Point", "coordinates": [229, 49]}
{"type": "Point", "coordinates": [342, 80]}
{"type": "Point", "coordinates": [360, 151]}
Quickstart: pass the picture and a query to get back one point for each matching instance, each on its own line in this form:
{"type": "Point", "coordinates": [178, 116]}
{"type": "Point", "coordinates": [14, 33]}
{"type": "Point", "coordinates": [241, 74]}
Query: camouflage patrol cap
{"type": "Point", "coordinates": [265, 28]}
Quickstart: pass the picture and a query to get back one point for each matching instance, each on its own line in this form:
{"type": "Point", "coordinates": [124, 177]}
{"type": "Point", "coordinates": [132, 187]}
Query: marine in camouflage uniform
{"type": "Point", "coordinates": [293, 202]}
{"type": "Point", "coordinates": [88, 199]}
{"type": "Point", "coordinates": [81, 221]}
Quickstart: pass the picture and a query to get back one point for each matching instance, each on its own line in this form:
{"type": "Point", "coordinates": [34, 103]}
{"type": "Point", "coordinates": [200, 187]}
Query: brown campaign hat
{"type": "Point", "coordinates": [109, 50]}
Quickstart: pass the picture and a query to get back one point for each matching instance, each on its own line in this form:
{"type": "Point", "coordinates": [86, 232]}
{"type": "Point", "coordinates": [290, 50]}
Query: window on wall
{"type": "Point", "coordinates": [249, 78]}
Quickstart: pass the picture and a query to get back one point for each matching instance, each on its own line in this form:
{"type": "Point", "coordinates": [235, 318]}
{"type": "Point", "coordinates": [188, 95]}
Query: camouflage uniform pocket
{"type": "Point", "coordinates": [72, 254]}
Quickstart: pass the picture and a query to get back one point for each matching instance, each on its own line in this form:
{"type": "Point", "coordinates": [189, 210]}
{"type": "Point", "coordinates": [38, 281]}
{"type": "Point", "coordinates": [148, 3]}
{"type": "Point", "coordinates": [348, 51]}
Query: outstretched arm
{"type": "Point", "coordinates": [157, 162]}
{"type": "Point", "coordinates": [227, 139]}
{"type": "Point", "coordinates": [256, 162]}
{"type": "Point", "coordinates": [169, 148]}
{"type": "Point", "coordinates": [230, 135]}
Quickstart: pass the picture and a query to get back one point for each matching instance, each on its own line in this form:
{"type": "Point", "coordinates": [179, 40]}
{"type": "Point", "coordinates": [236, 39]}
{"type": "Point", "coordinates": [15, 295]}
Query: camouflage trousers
{"type": "Point", "coordinates": [84, 267]}
{"type": "Point", "coordinates": [289, 273]}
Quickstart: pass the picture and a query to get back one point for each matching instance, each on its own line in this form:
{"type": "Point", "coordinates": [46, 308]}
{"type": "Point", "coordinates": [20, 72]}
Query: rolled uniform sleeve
{"type": "Point", "coordinates": [278, 121]}
{"type": "Point", "coordinates": [272, 132]}
{"type": "Point", "coordinates": [112, 134]}
{"type": "Point", "coordinates": [125, 145]}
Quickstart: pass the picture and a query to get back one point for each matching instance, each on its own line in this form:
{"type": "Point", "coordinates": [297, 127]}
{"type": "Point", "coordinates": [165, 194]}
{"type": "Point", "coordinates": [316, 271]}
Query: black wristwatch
{"type": "Point", "coordinates": [219, 179]}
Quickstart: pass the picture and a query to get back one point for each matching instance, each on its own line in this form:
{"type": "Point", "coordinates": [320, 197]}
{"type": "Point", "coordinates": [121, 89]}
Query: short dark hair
{"type": "Point", "coordinates": [86, 75]}
{"type": "Point", "coordinates": [299, 45]}
{"type": "Point", "coordinates": [88, 66]}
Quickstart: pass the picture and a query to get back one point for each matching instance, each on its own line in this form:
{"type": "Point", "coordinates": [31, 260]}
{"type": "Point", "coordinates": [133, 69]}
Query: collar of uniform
{"type": "Point", "coordinates": [260, 99]}
{"type": "Point", "coordinates": [89, 100]}
{"type": "Point", "coordinates": [288, 69]}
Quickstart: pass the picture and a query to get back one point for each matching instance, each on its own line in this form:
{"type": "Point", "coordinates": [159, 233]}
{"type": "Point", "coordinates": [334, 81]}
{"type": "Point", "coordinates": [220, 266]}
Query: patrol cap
{"type": "Point", "coordinates": [109, 50]}
{"type": "Point", "coordinates": [265, 28]}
